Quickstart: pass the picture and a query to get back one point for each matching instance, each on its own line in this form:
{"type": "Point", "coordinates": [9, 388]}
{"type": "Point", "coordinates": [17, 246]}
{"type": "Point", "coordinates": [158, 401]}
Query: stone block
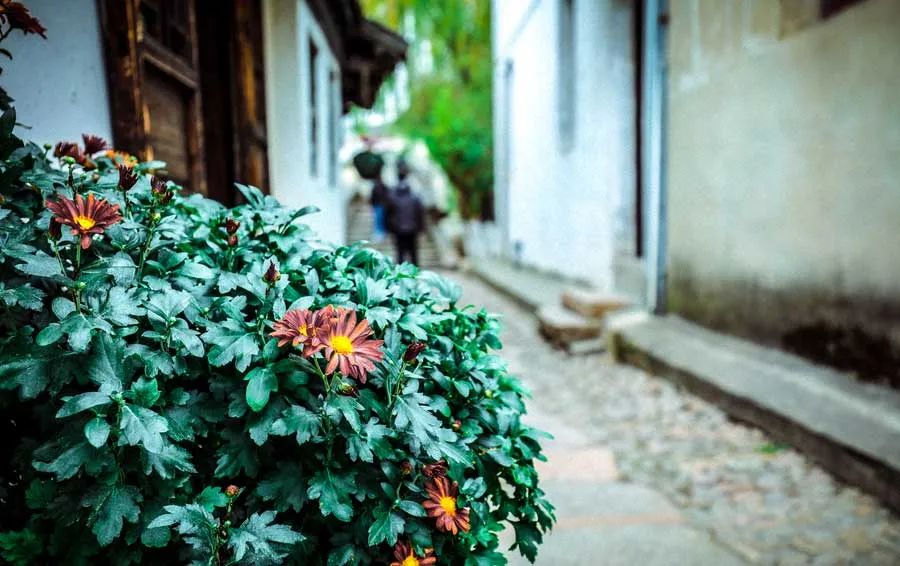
{"type": "Point", "coordinates": [561, 327]}
{"type": "Point", "coordinates": [592, 304]}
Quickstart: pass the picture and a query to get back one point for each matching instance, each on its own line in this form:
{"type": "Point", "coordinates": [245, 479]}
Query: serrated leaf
{"type": "Point", "coordinates": [40, 265]}
{"type": "Point", "coordinates": [83, 402]}
{"type": "Point", "coordinates": [297, 420]}
{"type": "Point", "coordinates": [262, 538]}
{"type": "Point", "coordinates": [143, 426]}
{"type": "Point", "coordinates": [386, 527]}
{"type": "Point", "coordinates": [231, 341]}
{"type": "Point", "coordinates": [112, 505]}
{"type": "Point", "coordinates": [333, 492]}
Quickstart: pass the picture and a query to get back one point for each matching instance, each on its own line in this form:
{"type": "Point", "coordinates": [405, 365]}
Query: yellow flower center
{"type": "Point", "coordinates": [302, 330]}
{"type": "Point", "coordinates": [410, 560]}
{"type": "Point", "coordinates": [342, 344]}
{"type": "Point", "coordinates": [448, 504]}
{"type": "Point", "coordinates": [86, 222]}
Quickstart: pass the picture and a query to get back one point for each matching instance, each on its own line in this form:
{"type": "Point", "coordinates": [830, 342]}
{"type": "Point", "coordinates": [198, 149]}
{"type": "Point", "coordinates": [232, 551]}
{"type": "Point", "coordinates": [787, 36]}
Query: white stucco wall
{"type": "Point", "coordinates": [289, 24]}
{"type": "Point", "coordinates": [562, 205]}
{"type": "Point", "coordinates": [59, 84]}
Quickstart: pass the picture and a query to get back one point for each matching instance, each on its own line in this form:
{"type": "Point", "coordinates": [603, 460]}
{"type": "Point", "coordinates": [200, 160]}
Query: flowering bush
{"type": "Point", "coordinates": [180, 382]}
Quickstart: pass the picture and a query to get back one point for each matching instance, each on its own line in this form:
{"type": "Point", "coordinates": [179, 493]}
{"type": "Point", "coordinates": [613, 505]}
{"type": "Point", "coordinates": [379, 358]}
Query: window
{"type": "Point", "coordinates": [566, 72]}
{"type": "Point", "coordinates": [313, 109]}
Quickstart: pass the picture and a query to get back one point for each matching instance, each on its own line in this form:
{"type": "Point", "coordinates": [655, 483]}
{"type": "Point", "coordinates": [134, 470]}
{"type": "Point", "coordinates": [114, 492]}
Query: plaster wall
{"type": "Point", "coordinates": [289, 28]}
{"type": "Point", "coordinates": [784, 166]}
{"type": "Point", "coordinates": [562, 204]}
{"type": "Point", "coordinates": [59, 84]}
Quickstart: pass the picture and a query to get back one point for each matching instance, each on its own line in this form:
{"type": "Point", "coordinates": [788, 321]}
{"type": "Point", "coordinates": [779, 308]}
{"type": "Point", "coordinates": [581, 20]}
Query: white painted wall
{"type": "Point", "coordinates": [59, 84]}
{"type": "Point", "coordinates": [563, 205]}
{"type": "Point", "coordinates": [289, 25]}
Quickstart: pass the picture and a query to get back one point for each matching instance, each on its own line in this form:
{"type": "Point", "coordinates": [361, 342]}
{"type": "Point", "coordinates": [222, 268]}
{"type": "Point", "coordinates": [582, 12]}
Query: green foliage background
{"type": "Point", "coordinates": [451, 102]}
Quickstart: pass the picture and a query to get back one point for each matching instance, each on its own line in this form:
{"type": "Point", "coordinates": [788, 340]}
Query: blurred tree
{"type": "Point", "coordinates": [449, 68]}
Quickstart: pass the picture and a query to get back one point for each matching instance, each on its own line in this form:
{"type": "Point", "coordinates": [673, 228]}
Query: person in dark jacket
{"type": "Point", "coordinates": [379, 199]}
{"type": "Point", "coordinates": [405, 216]}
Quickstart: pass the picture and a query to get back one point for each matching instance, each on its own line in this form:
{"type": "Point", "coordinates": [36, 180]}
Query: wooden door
{"type": "Point", "coordinates": [187, 87]}
{"type": "Point", "coordinates": [154, 79]}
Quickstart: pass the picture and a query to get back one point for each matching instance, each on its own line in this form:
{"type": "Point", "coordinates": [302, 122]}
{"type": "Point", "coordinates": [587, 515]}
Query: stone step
{"type": "Point", "coordinates": [563, 327]}
{"type": "Point", "coordinates": [592, 304]}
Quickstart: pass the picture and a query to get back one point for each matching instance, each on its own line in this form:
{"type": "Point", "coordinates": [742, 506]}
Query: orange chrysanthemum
{"type": "Point", "coordinates": [85, 216]}
{"type": "Point", "coordinates": [348, 345]}
{"type": "Point", "coordinates": [300, 327]}
{"type": "Point", "coordinates": [441, 505]}
{"type": "Point", "coordinates": [405, 556]}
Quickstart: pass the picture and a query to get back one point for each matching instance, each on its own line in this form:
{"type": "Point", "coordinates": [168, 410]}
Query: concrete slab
{"type": "Point", "coordinates": [850, 428]}
{"type": "Point", "coordinates": [599, 524]}
{"type": "Point", "coordinates": [592, 304]}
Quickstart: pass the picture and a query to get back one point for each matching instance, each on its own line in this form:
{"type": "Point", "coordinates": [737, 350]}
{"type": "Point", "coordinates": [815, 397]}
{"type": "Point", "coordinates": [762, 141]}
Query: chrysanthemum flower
{"type": "Point", "coordinates": [348, 345]}
{"type": "Point", "coordinates": [86, 217]}
{"type": "Point", "coordinates": [435, 470]}
{"type": "Point", "coordinates": [93, 144]}
{"type": "Point", "coordinates": [299, 327]}
{"type": "Point", "coordinates": [127, 177]}
{"type": "Point", "coordinates": [441, 505]}
{"type": "Point", "coordinates": [18, 17]}
{"type": "Point", "coordinates": [404, 556]}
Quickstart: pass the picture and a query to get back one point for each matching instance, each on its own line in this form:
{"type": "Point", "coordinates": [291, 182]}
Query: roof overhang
{"type": "Point", "coordinates": [366, 51]}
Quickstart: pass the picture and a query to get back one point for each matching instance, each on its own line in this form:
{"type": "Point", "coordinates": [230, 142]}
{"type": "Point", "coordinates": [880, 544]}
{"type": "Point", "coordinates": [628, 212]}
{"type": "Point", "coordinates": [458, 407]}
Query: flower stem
{"type": "Point", "coordinates": [145, 251]}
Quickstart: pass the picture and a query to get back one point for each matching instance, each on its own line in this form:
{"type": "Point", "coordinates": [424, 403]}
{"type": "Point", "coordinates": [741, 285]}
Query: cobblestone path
{"type": "Point", "coordinates": [642, 472]}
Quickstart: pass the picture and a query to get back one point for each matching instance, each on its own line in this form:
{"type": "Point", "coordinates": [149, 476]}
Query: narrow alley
{"type": "Point", "coordinates": [642, 473]}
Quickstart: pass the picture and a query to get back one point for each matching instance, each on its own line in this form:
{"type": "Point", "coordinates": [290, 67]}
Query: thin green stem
{"type": "Point", "coordinates": [145, 251]}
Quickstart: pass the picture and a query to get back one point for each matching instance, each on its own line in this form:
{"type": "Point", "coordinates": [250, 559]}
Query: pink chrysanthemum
{"type": "Point", "coordinates": [86, 216]}
{"type": "Point", "coordinates": [348, 345]}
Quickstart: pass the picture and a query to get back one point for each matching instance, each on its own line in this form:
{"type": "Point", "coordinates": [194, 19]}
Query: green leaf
{"type": "Point", "coordinates": [105, 366]}
{"type": "Point", "coordinates": [145, 392]}
{"type": "Point", "coordinates": [21, 548]}
{"type": "Point", "coordinates": [386, 527]}
{"type": "Point", "coordinates": [68, 462]}
{"type": "Point", "coordinates": [196, 271]}
{"type": "Point", "coordinates": [263, 539]}
{"type": "Point", "coordinates": [231, 341]}
{"type": "Point", "coordinates": [297, 420]}
{"type": "Point", "coordinates": [211, 498]}
{"type": "Point", "coordinates": [261, 382]}
{"type": "Point", "coordinates": [24, 296]}
{"type": "Point", "coordinates": [348, 407]}
{"type": "Point", "coordinates": [283, 487]}
{"type": "Point", "coordinates": [333, 492]}
{"type": "Point", "coordinates": [111, 506]}
{"type": "Point", "coordinates": [413, 508]}
{"type": "Point", "coordinates": [83, 402]}
{"type": "Point", "coordinates": [49, 335]}
{"type": "Point", "coordinates": [96, 431]}
{"type": "Point", "coordinates": [40, 265]}
{"type": "Point", "coordinates": [142, 426]}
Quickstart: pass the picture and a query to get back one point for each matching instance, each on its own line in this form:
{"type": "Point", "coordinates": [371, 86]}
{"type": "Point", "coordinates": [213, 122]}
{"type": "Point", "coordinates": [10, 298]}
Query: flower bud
{"type": "Point", "coordinates": [272, 274]}
{"type": "Point", "coordinates": [405, 468]}
{"type": "Point", "coordinates": [155, 217]}
{"type": "Point", "coordinates": [55, 230]}
{"type": "Point", "coordinates": [413, 351]}
{"type": "Point", "coordinates": [159, 188]}
{"type": "Point", "coordinates": [232, 491]}
{"type": "Point", "coordinates": [127, 177]}
{"type": "Point", "coordinates": [457, 424]}
{"type": "Point", "coordinates": [231, 225]}
{"type": "Point", "coordinates": [435, 470]}
{"type": "Point", "coordinates": [232, 241]}
{"type": "Point", "coordinates": [348, 390]}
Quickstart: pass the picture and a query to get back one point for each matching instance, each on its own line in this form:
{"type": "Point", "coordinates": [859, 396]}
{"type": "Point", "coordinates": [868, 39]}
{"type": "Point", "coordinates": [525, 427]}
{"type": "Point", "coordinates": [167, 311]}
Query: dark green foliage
{"type": "Point", "coordinates": [137, 380]}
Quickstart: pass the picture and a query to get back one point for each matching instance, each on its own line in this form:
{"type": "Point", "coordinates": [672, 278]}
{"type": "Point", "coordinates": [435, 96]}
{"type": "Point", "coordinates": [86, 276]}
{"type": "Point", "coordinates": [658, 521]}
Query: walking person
{"type": "Point", "coordinates": [379, 199]}
{"type": "Point", "coordinates": [405, 216]}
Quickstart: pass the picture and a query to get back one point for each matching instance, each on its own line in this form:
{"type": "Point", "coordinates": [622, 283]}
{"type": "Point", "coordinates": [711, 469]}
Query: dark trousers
{"type": "Point", "coordinates": [407, 247]}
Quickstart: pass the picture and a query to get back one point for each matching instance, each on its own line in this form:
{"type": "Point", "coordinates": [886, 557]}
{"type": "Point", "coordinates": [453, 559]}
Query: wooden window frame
{"type": "Point", "coordinates": [128, 51]}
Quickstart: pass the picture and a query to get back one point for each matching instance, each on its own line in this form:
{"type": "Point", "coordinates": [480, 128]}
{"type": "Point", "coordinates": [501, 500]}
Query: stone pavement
{"type": "Point", "coordinates": [643, 473]}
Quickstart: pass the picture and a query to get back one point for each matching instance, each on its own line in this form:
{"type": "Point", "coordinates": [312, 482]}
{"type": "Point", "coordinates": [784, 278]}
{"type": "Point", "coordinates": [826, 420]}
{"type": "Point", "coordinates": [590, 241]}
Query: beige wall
{"type": "Point", "coordinates": [784, 165]}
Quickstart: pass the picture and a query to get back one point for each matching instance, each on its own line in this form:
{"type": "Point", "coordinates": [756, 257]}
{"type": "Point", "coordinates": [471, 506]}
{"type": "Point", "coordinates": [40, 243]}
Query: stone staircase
{"type": "Point", "coordinates": [361, 226]}
{"type": "Point", "coordinates": [577, 322]}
